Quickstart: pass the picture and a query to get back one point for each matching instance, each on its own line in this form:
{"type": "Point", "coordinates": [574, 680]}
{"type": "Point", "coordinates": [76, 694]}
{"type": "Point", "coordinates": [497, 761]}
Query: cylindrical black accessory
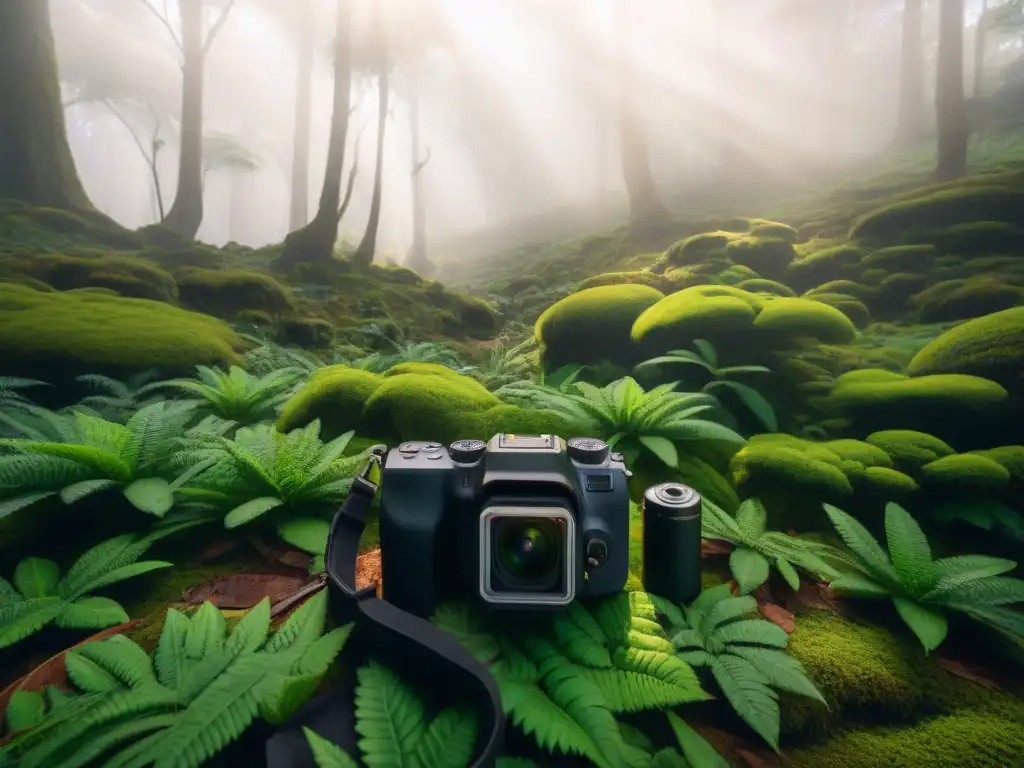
{"type": "Point", "coordinates": [671, 536]}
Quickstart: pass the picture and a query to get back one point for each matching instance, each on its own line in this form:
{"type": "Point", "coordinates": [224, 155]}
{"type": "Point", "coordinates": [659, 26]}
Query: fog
{"type": "Point", "coordinates": [518, 102]}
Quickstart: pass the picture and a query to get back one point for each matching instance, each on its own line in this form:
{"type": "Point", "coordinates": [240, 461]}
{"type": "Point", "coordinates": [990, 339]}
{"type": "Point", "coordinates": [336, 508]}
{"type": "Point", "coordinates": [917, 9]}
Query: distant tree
{"type": "Point", "coordinates": [950, 104]}
{"type": "Point", "coordinates": [36, 165]}
{"type": "Point", "coordinates": [910, 127]}
{"type": "Point", "coordinates": [305, 47]}
{"type": "Point", "coordinates": [222, 151]}
{"type": "Point", "coordinates": [186, 213]}
{"type": "Point", "coordinates": [149, 149]}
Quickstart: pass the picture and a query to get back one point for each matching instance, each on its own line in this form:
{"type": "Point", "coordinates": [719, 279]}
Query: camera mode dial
{"type": "Point", "coordinates": [587, 450]}
{"type": "Point", "coordinates": [467, 451]}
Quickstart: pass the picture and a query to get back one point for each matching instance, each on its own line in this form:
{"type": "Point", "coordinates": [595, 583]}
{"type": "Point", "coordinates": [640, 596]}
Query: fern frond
{"type": "Point", "coordinates": [327, 754]}
{"type": "Point", "coordinates": [864, 546]}
{"type": "Point", "coordinates": [908, 547]}
{"type": "Point", "coordinates": [448, 741]}
{"type": "Point", "coordinates": [634, 692]}
{"type": "Point", "coordinates": [389, 717]}
{"type": "Point", "coordinates": [748, 692]}
{"type": "Point", "coordinates": [781, 670]}
{"type": "Point", "coordinates": [123, 659]}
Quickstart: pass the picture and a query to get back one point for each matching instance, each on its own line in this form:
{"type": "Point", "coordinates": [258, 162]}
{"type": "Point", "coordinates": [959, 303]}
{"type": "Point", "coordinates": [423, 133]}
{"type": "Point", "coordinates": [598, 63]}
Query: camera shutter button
{"type": "Point", "coordinates": [597, 553]}
{"type": "Point", "coordinates": [467, 451]}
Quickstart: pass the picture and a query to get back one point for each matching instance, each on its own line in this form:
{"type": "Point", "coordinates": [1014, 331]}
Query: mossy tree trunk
{"type": "Point", "coordinates": [910, 126]}
{"type": "Point", "coordinates": [368, 245]}
{"type": "Point", "coordinates": [36, 165]}
{"type": "Point", "coordinates": [417, 259]}
{"type": "Point", "coordinates": [950, 104]}
{"type": "Point", "coordinates": [299, 216]}
{"type": "Point", "coordinates": [315, 241]}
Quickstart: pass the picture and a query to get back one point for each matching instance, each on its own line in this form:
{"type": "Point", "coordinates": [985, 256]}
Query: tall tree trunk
{"type": "Point", "coordinates": [417, 259]}
{"type": "Point", "coordinates": [186, 214]}
{"type": "Point", "coordinates": [36, 164]}
{"type": "Point", "coordinates": [303, 116]}
{"type": "Point", "coordinates": [315, 241]}
{"type": "Point", "coordinates": [911, 120]}
{"type": "Point", "coordinates": [645, 205]}
{"type": "Point", "coordinates": [368, 245]}
{"type": "Point", "coordinates": [950, 104]}
{"type": "Point", "coordinates": [979, 52]}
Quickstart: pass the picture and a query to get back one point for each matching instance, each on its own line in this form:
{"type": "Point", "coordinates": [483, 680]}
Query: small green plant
{"type": "Point", "coordinates": [112, 399]}
{"type": "Point", "coordinates": [39, 596]}
{"type": "Point", "coordinates": [981, 512]}
{"type": "Point", "coordinates": [757, 549]}
{"type": "Point", "coordinates": [506, 363]}
{"type": "Point", "coordinates": [409, 352]}
{"type": "Point", "coordinates": [11, 388]}
{"type": "Point", "coordinates": [746, 655]}
{"type": "Point", "coordinates": [94, 455]}
{"type": "Point", "coordinates": [923, 590]}
{"type": "Point", "coordinates": [268, 357]}
{"type": "Point", "coordinates": [198, 693]}
{"type": "Point", "coordinates": [706, 357]}
{"type": "Point", "coordinates": [631, 420]}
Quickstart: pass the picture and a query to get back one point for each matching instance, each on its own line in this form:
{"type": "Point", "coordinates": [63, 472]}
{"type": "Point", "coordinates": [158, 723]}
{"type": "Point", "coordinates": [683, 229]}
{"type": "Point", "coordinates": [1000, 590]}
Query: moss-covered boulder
{"type": "Point", "coordinates": [901, 258]}
{"type": "Point", "coordinates": [891, 295]}
{"type": "Point", "coordinates": [991, 347]}
{"type": "Point", "coordinates": [980, 238]}
{"type": "Point", "coordinates": [423, 369]}
{"type": "Point", "coordinates": [225, 293]}
{"type": "Point", "coordinates": [127, 276]}
{"type": "Point", "coordinates": [852, 307]}
{"type": "Point", "coordinates": [736, 273]}
{"type": "Point", "coordinates": [1010, 458]}
{"type": "Point", "coordinates": [761, 285]}
{"type": "Point", "coordinates": [767, 256]}
{"type": "Point", "coordinates": [822, 266]}
{"type": "Point", "coordinates": [847, 287]}
{"type": "Point", "coordinates": [57, 334]}
{"type": "Point", "coordinates": [698, 312]}
{"type": "Point", "coordinates": [965, 472]}
{"type": "Point", "coordinates": [781, 464]}
{"type": "Point", "coordinates": [594, 325]}
{"type": "Point", "coordinates": [860, 451]}
{"type": "Point", "coordinates": [881, 482]}
{"type": "Point", "coordinates": [306, 332]}
{"type": "Point", "coordinates": [634, 277]}
{"type": "Point", "coordinates": [965, 299]}
{"type": "Point", "coordinates": [910, 450]}
{"type": "Point", "coordinates": [802, 318]}
{"type": "Point", "coordinates": [774, 229]}
{"type": "Point", "coordinates": [697, 248]}
{"type": "Point", "coordinates": [334, 394]}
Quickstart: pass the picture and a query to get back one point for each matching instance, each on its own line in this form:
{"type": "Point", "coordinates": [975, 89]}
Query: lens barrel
{"type": "Point", "coordinates": [671, 542]}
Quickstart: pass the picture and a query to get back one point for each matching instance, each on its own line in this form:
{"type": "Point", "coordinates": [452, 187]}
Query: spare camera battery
{"type": "Point", "coordinates": [671, 542]}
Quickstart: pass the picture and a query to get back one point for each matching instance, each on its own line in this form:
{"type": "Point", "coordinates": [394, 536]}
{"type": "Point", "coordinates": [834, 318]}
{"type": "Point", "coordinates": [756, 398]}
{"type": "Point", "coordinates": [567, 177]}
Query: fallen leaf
{"type": "Point", "coordinates": [714, 547]}
{"type": "Point", "coordinates": [763, 594]}
{"type": "Point", "coordinates": [279, 552]}
{"type": "Point", "coordinates": [288, 602]}
{"type": "Point", "coordinates": [217, 549]}
{"type": "Point", "coordinates": [814, 596]}
{"type": "Point", "coordinates": [778, 615]}
{"type": "Point", "coordinates": [968, 672]}
{"type": "Point", "coordinates": [750, 758]}
{"type": "Point", "coordinates": [242, 590]}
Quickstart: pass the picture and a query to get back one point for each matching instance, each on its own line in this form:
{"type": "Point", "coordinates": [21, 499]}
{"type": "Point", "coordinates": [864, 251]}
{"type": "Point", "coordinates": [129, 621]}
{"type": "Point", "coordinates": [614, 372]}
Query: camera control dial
{"type": "Point", "coordinates": [467, 451]}
{"type": "Point", "coordinates": [587, 450]}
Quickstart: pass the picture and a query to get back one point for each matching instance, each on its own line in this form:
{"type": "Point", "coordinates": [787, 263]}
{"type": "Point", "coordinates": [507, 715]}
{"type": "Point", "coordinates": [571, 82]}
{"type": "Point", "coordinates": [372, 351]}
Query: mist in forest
{"type": "Point", "coordinates": [517, 101]}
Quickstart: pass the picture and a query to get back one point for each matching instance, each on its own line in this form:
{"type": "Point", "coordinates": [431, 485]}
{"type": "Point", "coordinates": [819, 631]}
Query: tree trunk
{"type": "Point", "coordinates": [315, 241]}
{"type": "Point", "coordinates": [368, 245]}
{"type": "Point", "coordinates": [36, 164]}
{"type": "Point", "coordinates": [910, 122]}
{"type": "Point", "coordinates": [950, 104]}
{"type": "Point", "coordinates": [645, 205]}
{"type": "Point", "coordinates": [417, 259]}
{"type": "Point", "coordinates": [186, 214]}
{"type": "Point", "coordinates": [303, 115]}
{"type": "Point", "coordinates": [979, 52]}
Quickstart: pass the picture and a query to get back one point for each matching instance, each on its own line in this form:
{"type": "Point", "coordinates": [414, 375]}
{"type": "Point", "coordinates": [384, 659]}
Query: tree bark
{"type": "Point", "coordinates": [36, 164]}
{"type": "Point", "coordinates": [368, 245]}
{"type": "Point", "coordinates": [910, 122]}
{"type": "Point", "coordinates": [417, 258]}
{"type": "Point", "coordinates": [315, 241]}
{"type": "Point", "coordinates": [186, 214]}
{"type": "Point", "coordinates": [303, 116]}
{"type": "Point", "coordinates": [950, 104]}
{"type": "Point", "coordinates": [979, 52]}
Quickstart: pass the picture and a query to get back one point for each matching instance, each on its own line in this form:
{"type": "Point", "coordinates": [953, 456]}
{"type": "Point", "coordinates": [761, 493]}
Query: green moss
{"type": "Point", "coordinates": [869, 376]}
{"type": "Point", "coordinates": [847, 287]}
{"type": "Point", "coordinates": [1010, 457]}
{"type": "Point", "coordinates": [766, 468]}
{"type": "Point", "coordinates": [990, 346]}
{"type": "Point", "coordinates": [476, 317]}
{"type": "Point", "coordinates": [817, 451]}
{"type": "Point", "coordinates": [884, 482]}
{"type": "Point", "coordinates": [964, 299]}
{"type": "Point", "coordinates": [774, 229]}
{"type": "Point", "coordinates": [894, 291]}
{"type": "Point", "coordinates": [901, 258]}
{"type": "Point", "coordinates": [767, 256]}
{"type": "Point", "coordinates": [697, 312]}
{"type": "Point", "coordinates": [697, 248]}
{"type": "Point", "coordinates": [593, 325]}
{"type": "Point", "coordinates": [965, 472]}
{"type": "Point", "coordinates": [424, 369]}
{"type": "Point", "coordinates": [939, 209]}
{"type": "Point", "coordinates": [873, 277]}
{"type": "Point", "coordinates": [979, 238]}
{"type": "Point", "coordinates": [306, 332]}
{"type": "Point", "coordinates": [857, 450]}
{"type": "Point", "coordinates": [336, 395]}
{"type": "Point", "coordinates": [130, 277]}
{"type": "Point", "coordinates": [81, 332]}
{"type": "Point", "coordinates": [853, 308]}
{"type": "Point", "coordinates": [910, 450]}
{"type": "Point", "coordinates": [737, 273]}
{"type": "Point", "coordinates": [822, 266]}
{"type": "Point", "coordinates": [760, 285]}
{"type": "Point", "coordinates": [948, 396]}
{"type": "Point", "coordinates": [225, 293]}
{"type": "Point", "coordinates": [634, 277]}
{"type": "Point", "coordinates": [804, 318]}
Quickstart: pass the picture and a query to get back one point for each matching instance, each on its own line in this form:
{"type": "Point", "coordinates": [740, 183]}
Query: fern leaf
{"type": "Point", "coordinates": [748, 692]}
{"type": "Point", "coordinates": [327, 754]}
{"type": "Point", "coordinates": [633, 692]}
{"type": "Point", "coordinates": [749, 567]}
{"type": "Point", "coordinates": [727, 610]}
{"type": "Point", "coordinates": [448, 741]}
{"type": "Point", "coordinates": [695, 611]}
{"type": "Point", "coordinates": [858, 586]}
{"type": "Point", "coordinates": [911, 555]}
{"type": "Point", "coordinates": [696, 658]}
{"type": "Point", "coordinates": [781, 670]}
{"type": "Point", "coordinates": [661, 447]}
{"type": "Point", "coordinates": [951, 572]}
{"type": "Point", "coordinates": [697, 751]}
{"type": "Point", "coordinates": [578, 646]}
{"type": "Point", "coordinates": [91, 612]}
{"type": "Point", "coordinates": [250, 633]}
{"type": "Point", "coordinates": [614, 616]}
{"type": "Point", "coordinates": [90, 676]}
{"type": "Point", "coordinates": [169, 659]}
{"type": "Point", "coordinates": [672, 612]}
{"type": "Point", "coordinates": [77, 491]}
{"type": "Point", "coordinates": [100, 559]}
{"type": "Point", "coordinates": [389, 717]}
{"type": "Point", "coordinates": [321, 653]}
{"type": "Point", "coordinates": [286, 696]}
{"type": "Point", "coordinates": [688, 638]}
{"type": "Point", "coordinates": [120, 574]}
{"type": "Point", "coordinates": [990, 591]}
{"type": "Point", "coordinates": [662, 666]}
{"type": "Point", "coordinates": [930, 626]}
{"type": "Point", "coordinates": [24, 618]}
{"type": "Point", "coordinates": [8, 594]}
{"type": "Point", "coordinates": [304, 626]}
{"type": "Point", "coordinates": [752, 519]}
{"type": "Point", "coordinates": [123, 659]}
{"type": "Point", "coordinates": [206, 632]}
{"type": "Point", "coordinates": [10, 506]}
{"type": "Point", "coordinates": [250, 510]}
{"type": "Point", "coordinates": [37, 577]}
{"type": "Point", "coordinates": [1006, 621]}
{"type": "Point", "coordinates": [582, 618]}
{"type": "Point", "coordinates": [514, 663]}
{"type": "Point", "coordinates": [25, 710]}
{"type": "Point", "coordinates": [755, 402]}
{"type": "Point", "coordinates": [648, 627]}
{"type": "Point", "coordinates": [864, 546]}
{"type": "Point", "coordinates": [462, 620]}
{"type": "Point", "coordinates": [785, 568]}
{"type": "Point", "coordinates": [105, 739]}
{"type": "Point", "coordinates": [754, 631]}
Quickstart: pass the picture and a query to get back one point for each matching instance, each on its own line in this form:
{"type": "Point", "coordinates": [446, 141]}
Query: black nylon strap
{"type": "Point", "coordinates": [411, 645]}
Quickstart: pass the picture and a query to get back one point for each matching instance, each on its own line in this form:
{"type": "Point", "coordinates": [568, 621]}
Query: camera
{"type": "Point", "coordinates": [527, 522]}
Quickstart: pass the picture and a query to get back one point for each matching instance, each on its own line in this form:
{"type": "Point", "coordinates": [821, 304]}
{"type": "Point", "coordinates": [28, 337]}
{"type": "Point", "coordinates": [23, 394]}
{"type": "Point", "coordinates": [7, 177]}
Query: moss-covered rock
{"type": "Point", "coordinates": [634, 277]}
{"type": "Point", "coordinates": [697, 248]}
{"type": "Point", "coordinates": [910, 450]}
{"type": "Point", "coordinates": [892, 294]}
{"type": "Point", "coordinates": [979, 238]}
{"type": "Point", "coordinates": [913, 402]}
{"type": "Point", "coordinates": [1010, 458]}
{"type": "Point", "coordinates": [991, 346]}
{"type": "Point", "coordinates": [774, 229]}
{"type": "Point", "coordinates": [225, 293]}
{"type": "Point", "coordinates": [883, 482]}
{"type": "Point", "coordinates": [306, 332]}
{"type": "Point", "coordinates": [965, 472]}
{"type": "Point", "coordinates": [847, 287]}
{"type": "Point", "coordinates": [901, 258]}
{"type": "Point", "coordinates": [64, 333]}
{"type": "Point", "coordinates": [862, 452]}
{"type": "Point", "coordinates": [760, 285]}
{"type": "Point", "coordinates": [423, 369]}
{"type": "Point", "coordinates": [766, 467]}
{"type": "Point", "coordinates": [822, 266]}
{"type": "Point", "coordinates": [693, 313]}
{"type": "Point", "coordinates": [128, 276]}
{"type": "Point", "coordinates": [594, 325]}
{"type": "Point", "coordinates": [805, 318]}
{"type": "Point", "coordinates": [736, 273]}
{"type": "Point", "coordinates": [965, 299]}
{"type": "Point", "coordinates": [767, 256]}
{"type": "Point", "coordinates": [334, 394]}
{"type": "Point", "coordinates": [852, 307]}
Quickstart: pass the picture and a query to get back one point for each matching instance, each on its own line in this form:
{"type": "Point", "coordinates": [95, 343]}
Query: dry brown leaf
{"type": "Point", "coordinates": [714, 547]}
{"type": "Point", "coordinates": [975, 674]}
{"type": "Point", "coordinates": [279, 552]}
{"type": "Point", "coordinates": [778, 615]}
{"type": "Point", "coordinates": [243, 590]}
{"type": "Point", "coordinates": [751, 759]}
{"type": "Point", "coordinates": [217, 549]}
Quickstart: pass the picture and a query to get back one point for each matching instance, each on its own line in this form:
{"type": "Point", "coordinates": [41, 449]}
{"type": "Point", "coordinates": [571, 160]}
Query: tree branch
{"type": "Point", "coordinates": [150, 157]}
{"type": "Point", "coordinates": [167, 25]}
{"type": "Point", "coordinates": [421, 164]}
{"type": "Point", "coordinates": [217, 27]}
{"type": "Point", "coordinates": [350, 184]}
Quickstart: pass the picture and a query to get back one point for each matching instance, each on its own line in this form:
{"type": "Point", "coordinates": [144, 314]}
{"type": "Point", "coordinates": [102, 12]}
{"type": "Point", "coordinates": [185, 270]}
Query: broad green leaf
{"type": "Point", "coordinates": [152, 495]}
{"type": "Point", "coordinates": [327, 754]}
{"type": "Point", "coordinates": [698, 752]}
{"type": "Point", "coordinates": [25, 710]}
{"type": "Point", "coordinates": [752, 519]}
{"type": "Point", "coordinates": [754, 401]}
{"type": "Point", "coordinates": [870, 553]}
{"type": "Point", "coordinates": [908, 547]}
{"type": "Point", "coordinates": [91, 612]}
{"type": "Point", "coordinates": [707, 351]}
{"type": "Point", "coordinates": [661, 447]}
{"type": "Point", "coordinates": [37, 577]}
{"type": "Point", "coordinates": [76, 491]}
{"type": "Point", "coordinates": [306, 533]}
{"type": "Point", "coordinates": [250, 510]}
{"type": "Point", "coordinates": [858, 586]}
{"type": "Point", "coordinates": [929, 626]}
{"type": "Point", "coordinates": [749, 567]}
{"type": "Point", "coordinates": [22, 619]}
{"type": "Point", "coordinates": [788, 572]}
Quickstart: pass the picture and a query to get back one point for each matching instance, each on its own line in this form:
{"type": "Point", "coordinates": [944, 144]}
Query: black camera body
{"type": "Point", "coordinates": [522, 522]}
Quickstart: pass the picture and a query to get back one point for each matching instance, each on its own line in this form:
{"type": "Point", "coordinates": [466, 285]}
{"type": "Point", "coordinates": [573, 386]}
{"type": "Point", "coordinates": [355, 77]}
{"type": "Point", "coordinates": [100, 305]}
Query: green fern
{"type": "Point", "coordinates": [628, 418]}
{"type": "Point", "coordinates": [706, 357]}
{"type": "Point", "coordinates": [268, 357]}
{"type": "Point", "coordinates": [262, 470]}
{"type": "Point", "coordinates": [563, 682]}
{"type": "Point", "coordinates": [112, 399]}
{"type": "Point", "coordinates": [39, 596]}
{"type": "Point", "coordinates": [96, 455]}
{"type": "Point", "coordinates": [757, 549]}
{"type": "Point", "coordinates": [199, 692]}
{"type": "Point", "coordinates": [987, 514]}
{"type": "Point", "coordinates": [925, 590]}
{"type": "Point", "coordinates": [746, 655]}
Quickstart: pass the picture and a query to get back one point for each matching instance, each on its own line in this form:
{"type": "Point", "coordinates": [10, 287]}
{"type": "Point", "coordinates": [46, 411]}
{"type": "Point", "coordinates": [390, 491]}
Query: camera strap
{"type": "Point", "coordinates": [413, 646]}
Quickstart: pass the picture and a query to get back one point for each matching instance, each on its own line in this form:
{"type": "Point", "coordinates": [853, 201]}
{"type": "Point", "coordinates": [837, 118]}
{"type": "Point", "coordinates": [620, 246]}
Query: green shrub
{"type": "Point", "coordinates": [965, 299]}
{"type": "Point", "coordinates": [767, 256]}
{"type": "Point", "coordinates": [939, 209]}
{"type": "Point", "coordinates": [225, 293]}
{"type": "Point", "coordinates": [991, 347]}
{"type": "Point", "coordinates": [593, 325]}
{"type": "Point", "coordinates": [335, 395]}
{"type": "Point", "coordinates": [901, 258]}
{"type": "Point", "coordinates": [130, 277]}
{"type": "Point", "coordinates": [909, 450]}
{"type": "Point", "coordinates": [803, 318]}
{"type": "Point", "coordinates": [853, 308]}
{"type": "Point", "coordinates": [965, 472]}
{"type": "Point", "coordinates": [979, 238]}
{"type": "Point", "coordinates": [822, 266]}
{"type": "Point", "coordinates": [85, 333]}
{"type": "Point", "coordinates": [760, 285]}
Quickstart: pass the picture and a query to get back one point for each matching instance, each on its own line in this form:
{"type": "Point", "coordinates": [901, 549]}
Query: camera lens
{"type": "Point", "coordinates": [528, 552]}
